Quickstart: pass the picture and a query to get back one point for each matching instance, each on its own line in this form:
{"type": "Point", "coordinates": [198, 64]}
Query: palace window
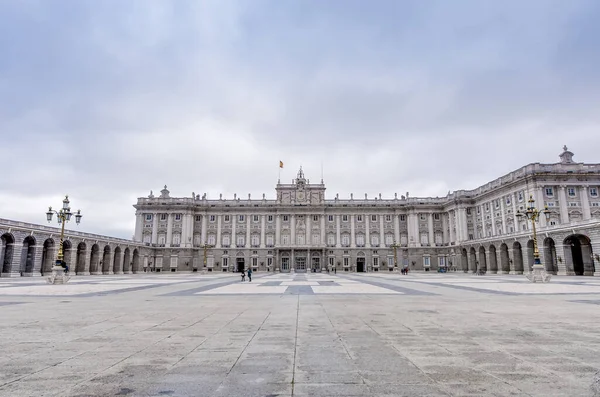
{"type": "Point", "coordinates": [388, 218]}
{"type": "Point", "coordinates": [254, 262]}
{"type": "Point", "coordinates": [255, 218]}
{"type": "Point", "coordinates": [177, 217]}
{"type": "Point", "coordinates": [549, 192]}
{"type": "Point", "coordinates": [374, 240]}
{"type": "Point", "coordinates": [286, 218]}
{"type": "Point", "coordinates": [197, 240]}
{"type": "Point", "coordinates": [360, 240]}
{"type": "Point", "coordinates": [212, 218]}
{"type": "Point", "coordinates": [331, 240]}
{"type": "Point", "coordinates": [269, 239]}
{"type": "Point", "coordinates": [225, 262]}
{"type": "Point", "coordinates": [147, 238]}
{"type": "Point", "coordinates": [176, 239]}
{"type": "Point", "coordinates": [359, 218]}
{"type": "Point", "coordinates": [161, 239]}
{"type": "Point", "coordinates": [389, 239]}
{"type": "Point", "coordinates": [571, 191]}
{"type": "Point", "coordinates": [594, 192]}
{"type": "Point", "coordinates": [226, 240]}
{"type": "Point", "coordinates": [316, 218]}
{"type": "Point", "coordinates": [163, 217]}
{"type": "Point", "coordinates": [436, 217]}
{"type": "Point", "coordinates": [424, 239]}
{"type": "Point", "coordinates": [402, 218]}
{"type": "Point", "coordinates": [255, 240]}
{"type": "Point", "coordinates": [345, 240]}
{"type": "Point", "coordinates": [269, 262]}
{"type": "Point", "coordinates": [241, 218]}
{"type": "Point", "coordinates": [373, 218]}
{"type": "Point", "coordinates": [330, 218]}
{"type": "Point", "coordinates": [344, 218]}
{"type": "Point", "coordinates": [227, 218]}
{"type": "Point", "coordinates": [507, 200]}
{"type": "Point", "coordinates": [422, 217]}
{"type": "Point", "coordinates": [346, 262]}
{"type": "Point", "coordinates": [270, 218]}
{"type": "Point", "coordinates": [487, 206]}
{"type": "Point", "coordinates": [497, 203]}
{"type": "Point", "coordinates": [315, 239]}
{"type": "Point", "coordinates": [211, 239]}
{"type": "Point", "coordinates": [148, 217]}
{"type": "Point", "coordinates": [375, 262]}
{"type": "Point", "coordinates": [285, 239]}
{"type": "Point", "coordinates": [300, 239]}
{"type": "Point", "coordinates": [198, 218]}
{"type": "Point", "coordinates": [520, 196]}
{"type": "Point", "coordinates": [240, 241]}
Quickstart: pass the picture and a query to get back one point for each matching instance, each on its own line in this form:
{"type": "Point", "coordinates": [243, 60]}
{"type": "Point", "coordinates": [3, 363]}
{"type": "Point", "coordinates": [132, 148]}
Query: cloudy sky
{"type": "Point", "coordinates": [106, 100]}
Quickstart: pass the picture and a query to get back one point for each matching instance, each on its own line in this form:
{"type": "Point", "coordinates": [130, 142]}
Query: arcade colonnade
{"type": "Point", "coordinates": [31, 250]}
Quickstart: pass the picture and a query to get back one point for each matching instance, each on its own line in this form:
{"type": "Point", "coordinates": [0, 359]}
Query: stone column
{"type": "Point", "coordinates": [247, 218]}
{"type": "Point", "coordinates": [15, 264]}
{"type": "Point", "coordinates": [352, 232]}
{"type": "Point", "coordinates": [338, 234]}
{"type": "Point", "coordinates": [514, 212]}
{"type": "Point", "coordinates": [483, 221]}
{"type": "Point", "coordinates": [564, 210]}
{"type": "Point", "coordinates": [430, 229]}
{"type": "Point", "coordinates": [139, 226]}
{"type": "Point", "coordinates": [234, 233]}
{"type": "Point", "coordinates": [111, 258]}
{"type": "Point", "coordinates": [184, 230]}
{"type": "Point", "coordinates": [381, 230]}
{"type": "Point", "coordinates": [218, 239]}
{"type": "Point", "coordinates": [503, 214]}
{"type": "Point", "coordinates": [493, 215]}
{"type": "Point", "coordinates": [308, 230]}
{"type": "Point", "coordinates": [277, 232]}
{"type": "Point", "coordinates": [452, 223]}
{"type": "Point", "coordinates": [585, 203]}
{"type": "Point", "coordinates": [293, 229]}
{"type": "Point", "coordinates": [262, 230]}
{"type": "Point", "coordinates": [462, 225]}
{"type": "Point", "coordinates": [445, 228]}
{"type": "Point", "coordinates": [323, 229]}
{"type": "Point", "coordinates": [396, 228]}
{"type": "Point", "coordinates": [367, 230]}
{"type": "Point", "coordinates": [169, 230]}
{"type": "Point", "coordinates": [204, 228]}
{"type": "Point", "coordinates": [72, 260]}
{"type": "Point", "coordinates": [154, 228]}
{"type": "Point", "coordinates": [120, 258]}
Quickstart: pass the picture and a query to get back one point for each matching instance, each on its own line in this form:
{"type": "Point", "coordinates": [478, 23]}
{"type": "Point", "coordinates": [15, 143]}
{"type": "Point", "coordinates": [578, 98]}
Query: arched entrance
{"type": "Point", "coordinates": [550, 255]}
{"type": "Point", "coordinates": [473, 260]}
{"type": "Point", "coordinates": [6, 253]}
{"type": "Point", "coordinates": [360, 262]}
{"type": "Point", "coordinates": [482, 268]}
{"type": "Point", "coordinates": [464, 260]}
{"type": "Point", "coordinates": [135, 267]}
{"type": "Point", "coordinates": [95, 259]}
{"type": "Point", "coordinates": [240, 262]}
{"type": "Point", "coordinates": [80, 265]}
{"type": "Point", "coordinates": [285, 262]}
{"type": "Point", "coordinates": [315, 264]}
{"type": "Point", "coordinates": [117, 265]}
{"type": "Point", "coordinates": [530, 256]}
{"type": "Point", "coordinates": [126, 261]}
{"type": "Point", "coordinates": [28, 256]}
{"type": "Point", "coordinates": [106, 260]}
{"type": "Point", "coordinates": [67, 246]}
{"type": "Point", "coordinates": [579, 255]}
{"type": "Point", "coordinates": [518, 257]}
{"type": "Point", "coordinates": [48, 256]}
{"type": "Point", "coordinates": [493, 259]}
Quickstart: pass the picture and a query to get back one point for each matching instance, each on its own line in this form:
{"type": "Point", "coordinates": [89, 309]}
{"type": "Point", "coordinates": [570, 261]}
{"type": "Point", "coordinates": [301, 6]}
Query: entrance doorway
{"type": "Point", "coordinates": [360, 265]}
{"type": "Point", "coordinates": [579, 255]}
{"type": "Point", "coordinates": [316, 264]}
{"type": "Point", "coordinates": [285, 265]}
{"type": "Point", "coordinates": [240, 264]}
{"type": "Point", "coordinates": [301, 264]}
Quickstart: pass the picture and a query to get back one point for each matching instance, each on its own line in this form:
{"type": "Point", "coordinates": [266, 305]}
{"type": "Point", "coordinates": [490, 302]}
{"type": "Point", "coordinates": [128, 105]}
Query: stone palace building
{"type": "Point", "coordinates": [302, 230]}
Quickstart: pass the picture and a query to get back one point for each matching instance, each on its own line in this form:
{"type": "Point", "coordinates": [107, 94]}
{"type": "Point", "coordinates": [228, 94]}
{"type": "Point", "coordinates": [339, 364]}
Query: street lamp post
{"type": "Point", "coordinates": [205, 247]}
{"type": "Point", "coordinates": [538, 274]}
{"type": "Point", "coordinates": [63, 216]}
{"type": "Point", "coordinates": [395, 247]}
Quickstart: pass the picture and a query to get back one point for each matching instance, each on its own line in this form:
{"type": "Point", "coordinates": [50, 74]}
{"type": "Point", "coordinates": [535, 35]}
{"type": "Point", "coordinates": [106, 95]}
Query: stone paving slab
{"type": "Point", "coordinates": [175, 336]}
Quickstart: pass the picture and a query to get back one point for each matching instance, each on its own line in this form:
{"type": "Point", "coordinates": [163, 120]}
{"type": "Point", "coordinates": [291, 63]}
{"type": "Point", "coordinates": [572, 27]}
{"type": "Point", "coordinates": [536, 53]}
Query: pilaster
{"type": "Point", "coordinates": [169, 229]}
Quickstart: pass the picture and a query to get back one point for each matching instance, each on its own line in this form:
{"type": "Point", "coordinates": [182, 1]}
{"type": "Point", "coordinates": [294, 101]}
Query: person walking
{"type": "Point", "coordinates": [243, 275]}
{"type": "Point", "coordinates": [250, 275]}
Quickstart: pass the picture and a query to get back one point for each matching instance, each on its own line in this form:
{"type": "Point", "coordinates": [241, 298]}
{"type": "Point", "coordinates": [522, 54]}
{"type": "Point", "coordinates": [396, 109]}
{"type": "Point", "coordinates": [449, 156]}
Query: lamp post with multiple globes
{"type": "Point", "coordinates": [532, 214]}
{"type": "Point", "coordinates": [63, 216]}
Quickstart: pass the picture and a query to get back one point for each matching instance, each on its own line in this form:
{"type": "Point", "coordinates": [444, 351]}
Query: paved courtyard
{"type": "Point", "coordinates": [373, 334]}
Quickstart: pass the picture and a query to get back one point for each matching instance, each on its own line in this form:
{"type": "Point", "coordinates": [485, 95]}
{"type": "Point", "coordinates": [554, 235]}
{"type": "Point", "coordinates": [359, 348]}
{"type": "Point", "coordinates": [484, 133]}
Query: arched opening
{"type": "Point", "coordinates": [518, 257]}
{"type": "Point", "coordinates": [473, 260]}
{"type": "Point", "coordinates": [117, 265]}
{"type": "Point", "coordinates": [579, 255]}
{"type": "Point", "coordinates": [360, 262]}
{"type": "Point", "coordinates": [48, 256]}
{"type": "Point", "coordinates": [106, 260]}
{"type": "Point", "coordinates": [126, 261]}
{"type": "Point", "coordinates": [482, 268]}
{"type": "Point", "coordinates": [6, 252]}
{"type": "Point", "coordinates": [530, 256]}
{"type": "Point", "coordinates": [28, 256]}
{"type": "Point", "coordinates": [493, 259]}
{"type": "Point", "coordinates": [80, 265]}
{"type": "Point", "coordinates": [67, 246]}
{"type": "Point", "coordinates": [464, 260]}
{"type": "Point", "coordinates": [504, 259]}
{"type": "Point", "coordinates": [315, 263]}
{"type": "Point", "coordinates": [136, 261]}
{"type": "Point", "coordinates": [95, 259]}
{"type": "Point", "coordinates": [550, 256]}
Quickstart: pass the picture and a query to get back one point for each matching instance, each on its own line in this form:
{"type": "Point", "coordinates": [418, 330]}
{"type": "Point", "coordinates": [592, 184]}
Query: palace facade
{"type": "Point", "coordinates": [302, 230]}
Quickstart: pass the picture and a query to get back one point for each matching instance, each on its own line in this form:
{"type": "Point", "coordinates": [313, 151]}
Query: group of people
{"type": "Point", "coordinates": [249, 272]}
{"type": "Point", "coordinates": [404, 270]}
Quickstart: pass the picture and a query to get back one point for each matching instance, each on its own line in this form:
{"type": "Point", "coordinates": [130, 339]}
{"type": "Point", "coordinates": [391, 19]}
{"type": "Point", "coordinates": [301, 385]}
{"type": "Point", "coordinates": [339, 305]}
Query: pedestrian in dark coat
{"type": "Point", "coordinates": [250, 275]}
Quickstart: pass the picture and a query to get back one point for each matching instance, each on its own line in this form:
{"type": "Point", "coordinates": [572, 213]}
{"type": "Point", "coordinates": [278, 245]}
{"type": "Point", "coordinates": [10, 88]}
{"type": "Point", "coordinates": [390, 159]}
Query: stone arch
{"type": "Point", "coordinates": [126, 261]}
{"type": "Point", "coordinates": [530, 255]}
{"type": "Point", "coordinates": [48, 256]}
{"type": "Point", "coordinates": [482, 260]}
{"type": "Point", "coordinates": [80, 264]}
{"type": "Point", "coordinates": [504, 259]}
{"type": "Point", "coordinates": [28, 256]}
{"type": "Point", "coordinates": [106, 259]}
{"type": "Point", "coordinates": [579, 255]}
{"type": "Point", "coordinates": [550, 255]}
{"type": "Point", "coordinates": [6, 252]}
{"type": "Point", "coordinates": [518, 257]}
{"type": "Point", "coordinates": [136, 261]}
{"type": "Point", "coordinates": [473, 260]}
{"type": "Point", "coordinates": [464, 260]}
{"type": "Point", "coordinates": [117, 264]}
{"type": "Point", "coordinates": [95, 259]}
{"type": "Point", "coordinates": [493, 259]}
{"type": "Point", "coordinates": [67, 255]}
